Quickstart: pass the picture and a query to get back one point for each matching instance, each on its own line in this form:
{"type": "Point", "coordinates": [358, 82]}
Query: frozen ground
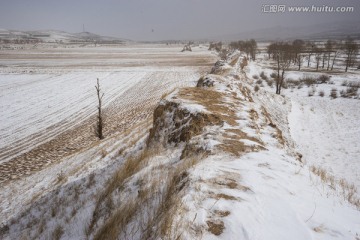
{"type": "Point", "coordinates": [47, 93]}
{"type": "Point", "coordinates": [241, 178]}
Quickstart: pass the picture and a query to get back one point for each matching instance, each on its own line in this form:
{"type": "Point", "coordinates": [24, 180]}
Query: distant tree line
{"type": "Point", "coordinates": [20, 41]}
{"type": "Point", "coordinates": [249, 47]}
{"type": "Point", "coordinates": [287, 53]}
{"type": "Point", "coordinates": [325, 54]}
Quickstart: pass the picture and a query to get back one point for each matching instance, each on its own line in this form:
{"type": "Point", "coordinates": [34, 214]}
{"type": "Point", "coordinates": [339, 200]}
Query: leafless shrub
{"type": "Point", "coordinates": [255, 76]}
{"type": "Point", "coordinates": [344, 83]}
{"type": "Point", "coordinates": [223, 53]}
{"type": "Point", "coordinates": [263, 76]}
{"type": "Point", "coordinates": [61, 177]}
{"type": "Point", "coordinates": [333, 93]}
{"type": "Point", "coordinates": [308, 80]}
{"type": "Point", "coordinates": [273, 75]}
{"type": "Point", "coordinates": [91, 180]}
{"type": "Point", "coordinates": [350, 92]}
{"type": "Point", "coordinates": [321, 93]}
{"type": "Point", "coordinates": [354, 84]}
{"type": "Point", "coordinates": [53, 211]}
{"type": "Point", "coordinates": [270, 82]}
{"type": "Point", "coordinates": [259, 81]}
{"type": "Point", "coordinates": [256, 88]}
{"type": "Point", "coordinates": [58, 232]}
{"type": "Point", "coordinates": [291, 82]}
{"type": "Point", "coordinates": [323, 79]}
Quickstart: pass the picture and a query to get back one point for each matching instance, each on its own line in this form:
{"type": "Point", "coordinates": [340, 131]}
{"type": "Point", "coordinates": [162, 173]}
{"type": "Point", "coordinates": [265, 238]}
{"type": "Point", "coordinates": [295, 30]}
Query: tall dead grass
{"type": "Point", "coordinates": [348, 191]}
{"type": "Point", "coordinates": [104, 204]}
{"type": "Point", "coordinates": [150, 213]}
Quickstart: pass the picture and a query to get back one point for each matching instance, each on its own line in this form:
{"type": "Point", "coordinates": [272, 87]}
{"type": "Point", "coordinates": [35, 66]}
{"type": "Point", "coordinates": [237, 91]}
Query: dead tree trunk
{"type": "Point", "coordinates": [99, 125]}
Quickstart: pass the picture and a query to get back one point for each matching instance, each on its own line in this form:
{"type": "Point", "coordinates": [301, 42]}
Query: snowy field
{"type": "Point", "coordinates": [326, 130]}
{"type": "Point", "coordinates": [49, 89]}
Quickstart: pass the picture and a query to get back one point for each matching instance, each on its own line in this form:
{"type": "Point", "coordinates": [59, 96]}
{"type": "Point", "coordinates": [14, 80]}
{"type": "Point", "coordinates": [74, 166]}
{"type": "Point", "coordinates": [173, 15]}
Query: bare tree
{"type": "Point", "coordinates": [283, 55]}
{"type": "Point", "coordinates": [318, 54]}
{"type": "Point", "coordinates": [99, 125]}
{"type": "Point", "coordinates": [329, 45]}
{"type": "Point", "coordinates": [310, 47]}
{"type": "Point", "coordinates": [336, 50]}
{"type": "Point", "coordinates": [253, 48]}
{"type": "Point", "coordinates": [298, 48]}
{"type": "Point", "coordinates": [351, 49]}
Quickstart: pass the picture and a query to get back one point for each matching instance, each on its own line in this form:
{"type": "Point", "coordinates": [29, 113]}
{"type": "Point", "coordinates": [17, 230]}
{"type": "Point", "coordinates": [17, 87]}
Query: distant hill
{"type": "Point", "coordinates": [338, 30]}
{"type": "Point", "coordinates": [57, 36]}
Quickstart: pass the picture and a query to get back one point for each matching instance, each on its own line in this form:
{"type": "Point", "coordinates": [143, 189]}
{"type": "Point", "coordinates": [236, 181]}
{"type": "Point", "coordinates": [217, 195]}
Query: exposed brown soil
{"type": "Point", "coordinates": [215, 228]}
{"type": "Point", "coordinates": [130, 109]}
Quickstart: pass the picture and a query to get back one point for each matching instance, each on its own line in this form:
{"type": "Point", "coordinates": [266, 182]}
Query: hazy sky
{"type": "Point", "coordinates": [162, 19]}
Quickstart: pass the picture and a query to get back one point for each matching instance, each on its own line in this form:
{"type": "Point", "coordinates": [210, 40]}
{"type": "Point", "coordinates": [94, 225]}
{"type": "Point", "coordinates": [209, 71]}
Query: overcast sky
{"type": "Point", "coordinates": [162, 19]}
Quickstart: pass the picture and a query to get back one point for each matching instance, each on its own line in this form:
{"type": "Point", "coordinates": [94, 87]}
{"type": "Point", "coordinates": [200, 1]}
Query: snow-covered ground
{"type": "Point", "coordinates": [222, 161]}
{"type": "Point", "coordinates": [326, 130]}
{"type": "Point", "coordinates": [45, 91]}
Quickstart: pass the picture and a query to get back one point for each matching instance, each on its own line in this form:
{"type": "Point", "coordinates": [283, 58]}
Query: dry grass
{"type": "Point", "coordinates": [58, 232]}
{"type": "Point", "coordinates": [212, 101]}
{"type": "Point", "coordinates": [232, 143]}
{"type": "Point", "coordinates": [61, 177]}
{"type": "Point", "coordinates": [233, 62]}
{"type": "Point", "coordinates": [222, 213]}
{"type": "Point", "coordinates": [348, 191]}
{"type": "Point", "coordinates": [117, 181]}
{"type": "Point", "coordinates": [215, 228]}
{"type": "Point", "coordinates": [114, 225]}
{"type": "Point", "coordinates": [158, 199]}
{"type": "Point", "coordinates": [226, 197]}
{"type": "Point", "coordinates": [244, 63]}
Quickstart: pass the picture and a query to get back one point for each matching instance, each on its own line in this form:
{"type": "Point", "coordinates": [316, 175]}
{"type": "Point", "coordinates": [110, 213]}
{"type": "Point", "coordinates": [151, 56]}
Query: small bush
{"type": "Point", "coordinates": [333, 93]}
{"type": "Point", "coordinates": [354, 84]}
{"type": "Point", "coordinates": [343, 94]}
{"type": "Point", "coordinates": [321, 93]}
{"type": "Point", "coordinates": [270, 83]}
{"type": "Point", "coordinates": [61, 177]}
{"type": "Point", "coordinates": [255, 76]}
{"type": "Point", "coordinates": [349, 92]}
{"type": "Point", "coordinates": [323, 79]}
{"type": "Point", "coordinates": [291, 82]}
{"type": "Point", "coordinates": [308, 80]}
{"type": "Point", "coordinates": [256, 88]}
{"type": "Point", "coordinates": [344, 83]}
{"type": "Point", "coordinates": [273, 75]}
{"type": "Point", "coordinates": [259, 81]}
{"type": "Point", "coordinates": [263, 76]}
